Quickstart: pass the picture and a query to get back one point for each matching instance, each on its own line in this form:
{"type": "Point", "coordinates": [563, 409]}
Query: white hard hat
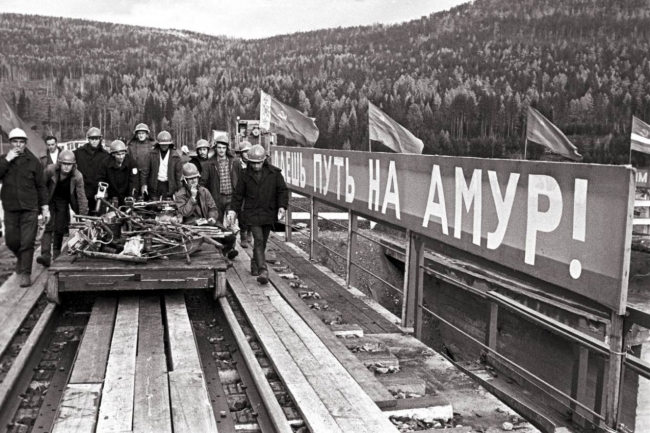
{"type": "Point", "coordinates": [17, 133]}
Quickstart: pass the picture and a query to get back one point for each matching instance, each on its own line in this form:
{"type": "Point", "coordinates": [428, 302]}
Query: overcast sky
{"type": "Point", "coordinates": [236, 18]}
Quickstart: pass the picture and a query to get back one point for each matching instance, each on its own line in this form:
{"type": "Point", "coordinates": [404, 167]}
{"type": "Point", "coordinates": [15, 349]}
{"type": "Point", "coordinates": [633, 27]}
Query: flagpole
{"type": "Point", "coordinates": [525, 147]}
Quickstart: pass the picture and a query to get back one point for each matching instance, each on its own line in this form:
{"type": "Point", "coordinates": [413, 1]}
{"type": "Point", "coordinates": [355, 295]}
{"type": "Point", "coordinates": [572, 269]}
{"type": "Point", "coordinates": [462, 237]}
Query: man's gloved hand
{"type": "Point", "coordinates": [145, 190]}
{"type": "Point", "coordinates": [232, 216]}
{"type": "Point", "coordinates": [281, 214]}
{"type": "Point", "coordinates": [211, 221]}
{"type": "Point", "coordinates": [45, 210]}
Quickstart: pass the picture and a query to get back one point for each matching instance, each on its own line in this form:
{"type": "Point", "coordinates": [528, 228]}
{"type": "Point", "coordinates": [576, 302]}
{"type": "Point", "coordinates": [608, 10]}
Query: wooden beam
{"type": "Point", "coordinates": [78, 409]}
{"type": "Point", "coordinates": [353, 225]}
{"type": "Point", "coordinates": [616, 355]}
{"type": "Point", "coordinates": [182, 344]}
{"type": "Point", "coordinates": [152, 411]}
{"type": "Point", "coordinates": [278, 418]}
{"type": "Point", "coordinates": [116, 409]}
{"type": "Point", "coordinates": [191, 408]}
{"type": "Point", "coordinates": [90, 365]}
{"type": "Point", "coordinates": [287, 224]}
{"type": "Point", "coordinates": [314, 412]}
{"type": "Point", "coordinates": [419, 286]}
{"type": "Point", "coordinates": [492, 330]}
{"type": "Point", "coordinates": [12, 376]}
{"type": "Point", "coordinates": [313, 225]}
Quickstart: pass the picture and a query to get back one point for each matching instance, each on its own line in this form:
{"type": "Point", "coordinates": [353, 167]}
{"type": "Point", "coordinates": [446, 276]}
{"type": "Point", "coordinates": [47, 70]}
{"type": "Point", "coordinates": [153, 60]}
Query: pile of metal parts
{"type": "Point", "coordinates": [138, 232]}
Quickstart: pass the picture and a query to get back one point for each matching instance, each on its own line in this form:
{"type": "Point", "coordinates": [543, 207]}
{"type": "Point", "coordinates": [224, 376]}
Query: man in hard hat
{"type": "Point", "coordinates": [194, 202]}
{"type": "Point", "coordinates": [121, 173]}
{"type": "Point", "coordinates": [23, 195]}
{"type": "Point", "coordinates": [161, 175]}
{"type": "Point", "coordinates": [89, 158]}
{"type": "Point", "coordinates": [65, 187]}
{"type": "Point", "coordinates": [245, 234]}
{"type": "Point", "coordinates": [209, 175]}
{"type": "Point", "coordinates": [140, 145]}
{"type": "Point", "coordinates": [262, 192]}
{"type": "Point", "coordinates": [52, 154]}
{"type": "Point", "coordinates": [228, 168]}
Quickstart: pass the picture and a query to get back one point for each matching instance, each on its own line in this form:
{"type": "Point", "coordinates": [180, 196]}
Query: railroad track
{"type": "Point", "coordinates": [61, 355]}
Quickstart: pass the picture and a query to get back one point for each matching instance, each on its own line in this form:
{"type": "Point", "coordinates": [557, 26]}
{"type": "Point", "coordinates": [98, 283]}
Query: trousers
{"type": "Point", "coordinates": [21, 228]}
{"type": "Point", "coordinates": [260, 238]}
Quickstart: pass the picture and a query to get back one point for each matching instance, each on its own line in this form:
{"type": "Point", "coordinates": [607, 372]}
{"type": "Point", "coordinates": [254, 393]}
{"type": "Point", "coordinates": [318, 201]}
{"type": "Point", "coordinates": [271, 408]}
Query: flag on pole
{"type": "Point", "coordinates": [541, 131]}
{"type": "Point", "coordinates": [287, 121]}
{"type": "Point", "coordinates": [640, 135]}
{"type": "Point", "coordinates": [390, 133]}
{"type": "Point", "coordinates": [10, 120]}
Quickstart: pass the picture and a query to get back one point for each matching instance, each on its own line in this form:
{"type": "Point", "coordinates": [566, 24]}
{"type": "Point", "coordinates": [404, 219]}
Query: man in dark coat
{"type": "Point", "coordinates": [121, 173]}
{"type": "Point", "coordinates": [65, 190]}
{"type": "Point", "coordinates": [161, 175]}
{"type": "Point", "coordinates": [140, 145]}
{"type": "Point", "coordinates": [90, 157]}
{"type": "Point", "coordinates": [195, 202]}
{"type": "Point", "coordinates": [265, 196]}
{"type": "Point", "coordinates": [23, 194]}
{"type": "Point", "coordinates": [209, 175]}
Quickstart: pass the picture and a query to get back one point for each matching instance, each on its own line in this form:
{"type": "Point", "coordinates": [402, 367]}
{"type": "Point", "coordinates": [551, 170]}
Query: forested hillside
{"type": "Point", "coordinates": [461, 79]}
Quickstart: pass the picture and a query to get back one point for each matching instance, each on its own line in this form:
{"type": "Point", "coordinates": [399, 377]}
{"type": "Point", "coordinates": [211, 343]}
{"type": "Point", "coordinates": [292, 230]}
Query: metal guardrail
{"type": "Point", "coordinates": [412, 298]}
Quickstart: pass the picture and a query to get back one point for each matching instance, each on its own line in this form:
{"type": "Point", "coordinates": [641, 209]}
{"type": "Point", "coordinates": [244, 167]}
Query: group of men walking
{"type": "Point", "coordinates": [214, 187]}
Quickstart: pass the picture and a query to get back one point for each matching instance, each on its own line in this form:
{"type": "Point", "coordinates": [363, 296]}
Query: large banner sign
{"type": "Point", "coordinates": [564, 223]}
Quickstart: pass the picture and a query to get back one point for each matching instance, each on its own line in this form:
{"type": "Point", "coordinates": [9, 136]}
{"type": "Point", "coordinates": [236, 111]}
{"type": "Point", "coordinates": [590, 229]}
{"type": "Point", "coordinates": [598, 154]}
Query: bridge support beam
{"type": "Point", "coordinates": [413, 283]}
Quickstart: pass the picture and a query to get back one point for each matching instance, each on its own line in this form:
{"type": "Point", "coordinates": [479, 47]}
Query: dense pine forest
{"type": "Point", "coordinates": [461, 79]}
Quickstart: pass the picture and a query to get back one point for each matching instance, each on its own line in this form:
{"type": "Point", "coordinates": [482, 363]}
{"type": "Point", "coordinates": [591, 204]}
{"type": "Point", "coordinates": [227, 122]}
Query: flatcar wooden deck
{"type": "Point", "coordinates": [70, 273]}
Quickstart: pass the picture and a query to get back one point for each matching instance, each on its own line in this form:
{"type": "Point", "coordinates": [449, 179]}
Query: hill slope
{"type": "Point", "coordinates": [460, 79]}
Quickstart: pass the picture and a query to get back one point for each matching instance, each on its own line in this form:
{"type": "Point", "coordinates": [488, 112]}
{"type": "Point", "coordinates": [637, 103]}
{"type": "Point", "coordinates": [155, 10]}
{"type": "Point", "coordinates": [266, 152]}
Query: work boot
{"type": "Point", "coordinates": [232, 254]}
{"type": "Point", "coordinates": [263, 278]}
{"type": "Point", "coordinates": [44, 259]}
{"type": "Point", "coordinates": [244, 241]}
{"type": "Point", "coordinates": [254, 271]}
{"type": "Point", "coordinates": [25, 280]}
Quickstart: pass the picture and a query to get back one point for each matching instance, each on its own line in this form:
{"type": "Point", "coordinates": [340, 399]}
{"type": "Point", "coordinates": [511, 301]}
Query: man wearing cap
{"type": "Point", "coordinates": [264, 196]}
{"type": "Point", "coordinates": [23, 194]}
{"type": "Point", "coordinates": [140, 145]}
{"type": "Point", "coordinates": [65, 188]}
{"type": "Point", "coordinates": [195, 202]}
{"type": "Point", "coordinates": [121, 173]}
{"type": "Point", "coordinates": [90, 157]}
{"type": "Point", "coordinates": [245, 233]}
{"type": "Point", "coordinates": [228, 168]}
{"type": "Point", "coordinates": [52, 154]}
{"type": "Point", "coordinates": [161, 174]}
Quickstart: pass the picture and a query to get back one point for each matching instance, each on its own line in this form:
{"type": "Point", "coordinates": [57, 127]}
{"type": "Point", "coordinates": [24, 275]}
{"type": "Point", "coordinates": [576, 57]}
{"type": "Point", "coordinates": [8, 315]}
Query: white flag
{"type": "Point", "coordinates": [265, 111]}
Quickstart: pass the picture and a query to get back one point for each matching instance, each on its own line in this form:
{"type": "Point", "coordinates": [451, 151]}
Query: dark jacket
{"type": "Point", "coordinates": [89, 161]}
{"type": "Point", "coordinates": [235, 170]}
{"type": "Point", "coordinates": [78, 200]}
{"type": "Point", "coordinates": [140, 150]}
{"type": "Point", "coordinates": [209, 175]}
{"type": "Point", "coordinates": [186, 206]}
{"type": "Point", "coordinates": [121, 180]}
{"type": "Point", "coordinates": [22, 183]}
{"type": "Point", "coordinates": [149, 172]}
{"type": "Point", "coordinates": [47, 159]}
{"type": "Point", "coordinates": [261, 198]}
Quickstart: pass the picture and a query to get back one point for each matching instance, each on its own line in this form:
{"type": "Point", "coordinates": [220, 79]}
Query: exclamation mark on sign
{"type": "Point", "coordinates": [579, 221]}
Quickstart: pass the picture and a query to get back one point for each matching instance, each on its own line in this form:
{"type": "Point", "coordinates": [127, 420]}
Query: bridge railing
{"type": "Point", "coordinates": [609, 386]}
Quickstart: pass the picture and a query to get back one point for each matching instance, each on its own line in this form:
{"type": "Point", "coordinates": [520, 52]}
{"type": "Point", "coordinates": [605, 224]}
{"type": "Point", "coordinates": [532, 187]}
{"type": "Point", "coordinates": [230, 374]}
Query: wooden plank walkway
{"type": "Point", "coordinates": [353, 309]}
{"type": "Point", "coordinates": [120, 381]}
{"type": "Point", "coordinates": [312, 373]}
